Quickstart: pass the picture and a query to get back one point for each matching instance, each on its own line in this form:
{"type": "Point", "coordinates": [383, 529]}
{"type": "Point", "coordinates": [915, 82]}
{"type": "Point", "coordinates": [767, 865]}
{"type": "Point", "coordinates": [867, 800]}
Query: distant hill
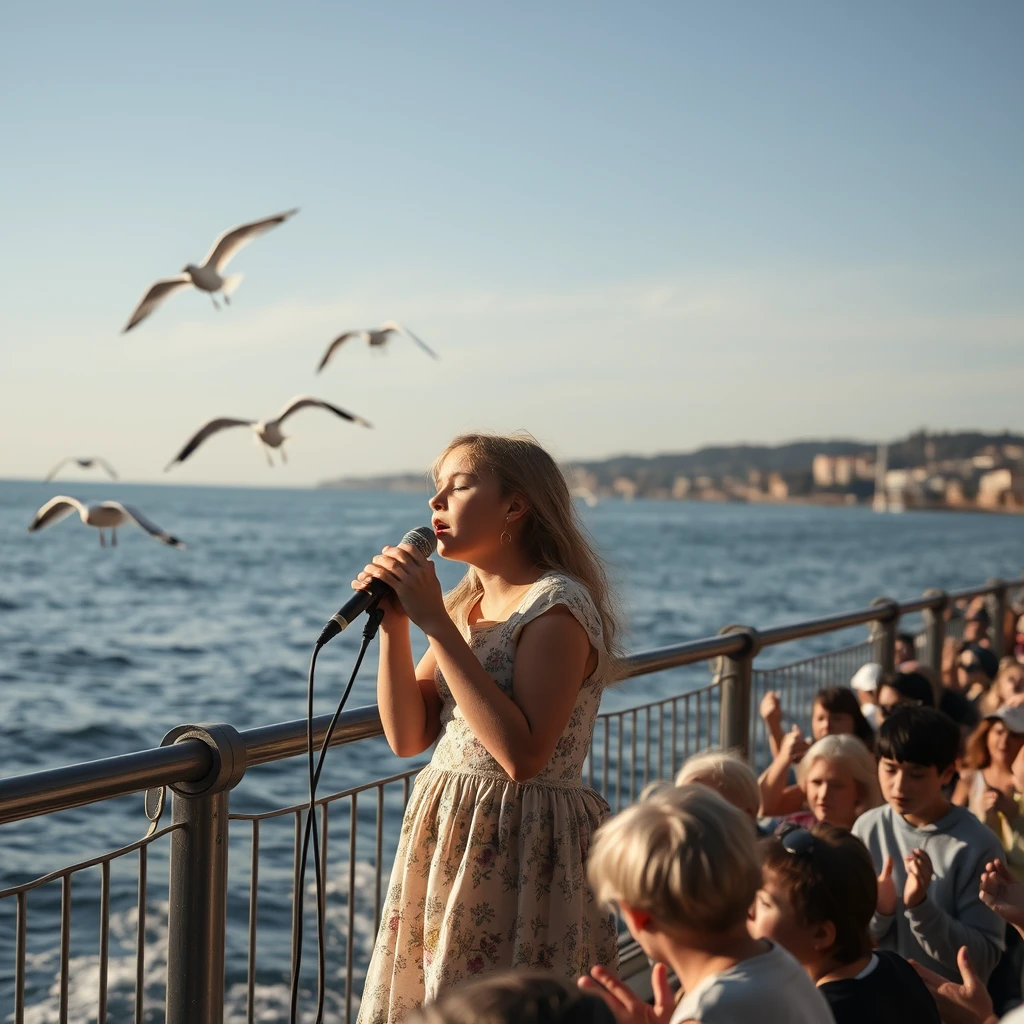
{"type": "Point", "coordinates": [659, 471]}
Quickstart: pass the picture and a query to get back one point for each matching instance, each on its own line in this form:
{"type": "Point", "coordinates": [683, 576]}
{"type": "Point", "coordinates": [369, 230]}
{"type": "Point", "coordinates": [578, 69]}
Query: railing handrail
{"type": "Point", "coordinates": [57, 789]}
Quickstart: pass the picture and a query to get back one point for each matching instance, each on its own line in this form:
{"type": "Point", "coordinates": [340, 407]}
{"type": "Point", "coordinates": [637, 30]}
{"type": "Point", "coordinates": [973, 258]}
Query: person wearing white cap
{"type": "Point", "coordinates": [866, 681]}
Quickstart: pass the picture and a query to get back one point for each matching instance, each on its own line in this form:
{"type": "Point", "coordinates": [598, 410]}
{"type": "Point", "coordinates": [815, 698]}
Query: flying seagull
{"type": "Point", "coordinates": [86, 462]}
{"type": "Point", "coordinates": [107, 515]}
{"type": "Point", "coordinates": [266, 431]}
{"type": "Point", "coordinates": [207, 276]}
{"type": "Point", "coordinates": [374, 337]}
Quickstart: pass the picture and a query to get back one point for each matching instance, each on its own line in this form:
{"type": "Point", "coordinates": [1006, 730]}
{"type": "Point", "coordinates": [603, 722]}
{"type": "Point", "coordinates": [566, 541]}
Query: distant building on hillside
{"type": "Point", "coordinates": [1001, 488]}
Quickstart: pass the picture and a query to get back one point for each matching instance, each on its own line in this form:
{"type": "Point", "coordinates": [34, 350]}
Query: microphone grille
{"type": "Point", "coordinates": [423, 539]}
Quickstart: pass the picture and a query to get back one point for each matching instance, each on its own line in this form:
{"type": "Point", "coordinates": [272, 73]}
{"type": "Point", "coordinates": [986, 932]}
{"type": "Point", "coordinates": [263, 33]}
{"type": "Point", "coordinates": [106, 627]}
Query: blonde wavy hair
{"type": "Point", "coordinates": [552, 533]}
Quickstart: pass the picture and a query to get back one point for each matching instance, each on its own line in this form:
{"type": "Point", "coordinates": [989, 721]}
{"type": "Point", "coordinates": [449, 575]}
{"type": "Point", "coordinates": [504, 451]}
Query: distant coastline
{"type": "Point", "coordinates": [964, 471]}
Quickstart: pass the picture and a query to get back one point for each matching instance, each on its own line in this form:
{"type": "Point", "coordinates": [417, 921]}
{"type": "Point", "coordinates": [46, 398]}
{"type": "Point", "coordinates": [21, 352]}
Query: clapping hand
{"type": "Point", "coordinates": [919, 877]}
{"type": "Point", "coordinates": [886, 905]}
{"type": "Point", "coordinates": [993, 800]}
{"type": "Point", "coordinates": [628, 1007]}
{"type": "Point", "coordinates": [968, 1003]}
{"type": "Point", "coordinates": [1001, 892]}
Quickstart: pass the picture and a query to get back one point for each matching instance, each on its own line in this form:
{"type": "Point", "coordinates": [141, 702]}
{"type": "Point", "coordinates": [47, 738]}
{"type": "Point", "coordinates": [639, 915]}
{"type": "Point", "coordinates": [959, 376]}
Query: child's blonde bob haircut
{"type": "Point", "coordinates": [846, 749]}
{"type": "Point", "coordinates": [726, 772]}
{"type": "Point", "coordinates": [683, 855]}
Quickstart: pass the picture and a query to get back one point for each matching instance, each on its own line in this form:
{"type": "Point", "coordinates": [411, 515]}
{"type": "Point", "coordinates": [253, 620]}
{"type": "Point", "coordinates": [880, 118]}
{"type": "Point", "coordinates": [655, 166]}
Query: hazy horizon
{"type": "Point", "coordinates": [623, 229]}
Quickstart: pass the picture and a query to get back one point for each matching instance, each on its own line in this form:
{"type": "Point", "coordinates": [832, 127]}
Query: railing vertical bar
{"type": "Point", "coordinates": [632, 756]}
{"type": "Point", "coordinates": [647, 746]}
{"type": "Point", "coordinates": [296, 890]}
{"type": "Point", "coordinates": [65, 946]}
{"type": "Point", "coordinates": [350, 937]}
{"type": "Point", "coordinates": [140, 955]}
{"type": "Point", "coordinates": [101, 1009]}
{"type": "Point", "coordinates": [21, 927]}
{"type": "Point", "coordinates": [405, 791]}
{"type": "Point", "coordinates": [254, 878]}
{"type": "Point", "coordinates": [379, 867]}
{"type": "Point", "coordinates": [675, 734]}
{"type": "Point", "coordinates": [661, 740]}
{"type": "Point", "coordinates": [323, 863]}
{"type": "Point", "coordinates": [686, 728]}
{"type": "Point", "coordinates": [618, 774]}
{"type": "Point", "coordinates": [607, 758]}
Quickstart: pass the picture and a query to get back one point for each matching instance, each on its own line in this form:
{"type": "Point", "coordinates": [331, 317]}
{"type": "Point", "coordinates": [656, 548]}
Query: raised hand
{"type": "Point", "coordinates": [628, 1007]}
{"type": "Point", "coordinates": [967, 1003]}
{"type": "Point", "coordinates": [919, 877]}
{"type": "Point", "coordinates": [771, 710]}
{"type": "Point", "coordinates": [1001, 892]}
{"type": "Point", "coordinates": [886, 904]}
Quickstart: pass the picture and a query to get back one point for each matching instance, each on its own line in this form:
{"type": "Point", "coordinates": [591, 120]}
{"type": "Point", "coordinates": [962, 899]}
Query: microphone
{"type": "Point", "coordinates": [423, 539]}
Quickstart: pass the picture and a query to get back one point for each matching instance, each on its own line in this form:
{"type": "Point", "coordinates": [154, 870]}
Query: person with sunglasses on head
{"type": "Point", "coordinates": [903, 689]}
{"type": "Point", "coordinates": [817, 896]}
{"type": "Point", "coordinates": [929, 853]}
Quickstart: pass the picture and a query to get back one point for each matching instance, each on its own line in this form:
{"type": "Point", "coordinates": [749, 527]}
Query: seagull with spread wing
{"type": "Point", "coordinates": [83, 462]}
{"type": "Point", "coordinates": [107, 515]}
{"type": "Point", "coordinates": [266, 431]}
{"type": "Point", "coordinates": [208, 276]}
{"type": "Point", "coordinates": [374, 337]}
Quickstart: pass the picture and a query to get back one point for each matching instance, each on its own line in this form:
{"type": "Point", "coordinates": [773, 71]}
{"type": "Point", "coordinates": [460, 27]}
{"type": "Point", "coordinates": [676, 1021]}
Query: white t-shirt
{"type": "Point", "coordinates": [771, 989]}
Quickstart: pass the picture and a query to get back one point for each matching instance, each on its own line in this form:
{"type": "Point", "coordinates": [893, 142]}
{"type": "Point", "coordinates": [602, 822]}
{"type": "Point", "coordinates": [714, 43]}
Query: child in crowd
{"type": "Point", "coordinates": [816, 900]}
{"type": "Point", "coordinates": [929, 853]}
{"type": "Point", "coordinates": [514, 997]}
{"type": "Point", "coordinates": [839, 779]}
{"type": "Point", "coordinates": [835, 713]}
{"type": "Point", "coordinates": [726, 772]}
{"type": "Point", "coordinates": [683, 868]}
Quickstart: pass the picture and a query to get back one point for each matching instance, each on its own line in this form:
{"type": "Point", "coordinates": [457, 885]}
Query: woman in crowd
{"type": "Point", "coordinates": [991, 788]}
{"type": "Point", "coordinates": [489, 872]}
{"type": "Point", "coordinates": [836, 711]}
{"type": "Point", "coordinates": [817, 896]}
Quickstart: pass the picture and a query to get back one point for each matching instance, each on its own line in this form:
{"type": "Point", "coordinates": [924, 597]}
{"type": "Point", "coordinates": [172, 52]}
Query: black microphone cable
{"type": "Point", "coordinates": [373, 619]}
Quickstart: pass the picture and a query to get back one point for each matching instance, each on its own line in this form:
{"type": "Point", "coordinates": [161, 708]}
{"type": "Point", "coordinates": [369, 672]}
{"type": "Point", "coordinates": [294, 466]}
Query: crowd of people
{"type": "Point", "coordinates": [873, 872]}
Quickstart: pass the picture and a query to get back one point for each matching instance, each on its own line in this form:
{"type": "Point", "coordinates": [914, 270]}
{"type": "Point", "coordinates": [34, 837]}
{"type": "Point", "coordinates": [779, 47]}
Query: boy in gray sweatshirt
{"type": "Point", "coordinates": [930, 855]}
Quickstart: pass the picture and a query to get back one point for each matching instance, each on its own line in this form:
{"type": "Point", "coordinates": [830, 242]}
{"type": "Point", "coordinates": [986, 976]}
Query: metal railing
{"type": "Point", "coordinates": [200, 764]}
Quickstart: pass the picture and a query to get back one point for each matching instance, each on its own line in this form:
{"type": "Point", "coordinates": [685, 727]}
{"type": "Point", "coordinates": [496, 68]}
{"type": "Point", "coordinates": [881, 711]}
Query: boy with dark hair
{"type": "Point", "coordinates": [930, 855]}
{"type": "Point", "coordinates": [816, 899]}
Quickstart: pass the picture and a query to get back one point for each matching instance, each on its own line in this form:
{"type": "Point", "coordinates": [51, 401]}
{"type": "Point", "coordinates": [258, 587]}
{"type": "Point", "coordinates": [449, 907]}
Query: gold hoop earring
{"type": "Point", "coordinates": [506, 537]}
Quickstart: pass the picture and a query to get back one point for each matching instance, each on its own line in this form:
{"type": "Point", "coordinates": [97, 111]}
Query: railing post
{"type": "Point", "coordinates": [998, 611]}
{"type": "Point", "coordinates": [197, 893]}
{"type": "Point", "coordinates": [883, 632]}
{"type": "Point", "coordinates": [735, 675]}
{"type": "Point", "coordinates": [935, 627]}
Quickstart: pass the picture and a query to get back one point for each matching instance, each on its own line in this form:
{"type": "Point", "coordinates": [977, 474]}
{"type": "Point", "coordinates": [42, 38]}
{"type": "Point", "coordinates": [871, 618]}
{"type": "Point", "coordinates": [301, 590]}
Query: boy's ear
{"type": "Point", "coordinates": [946, 777]}
{"type": "Point", "coordinates": [824, 936]}
{"type": "Point", "coordinates": [637, 921]}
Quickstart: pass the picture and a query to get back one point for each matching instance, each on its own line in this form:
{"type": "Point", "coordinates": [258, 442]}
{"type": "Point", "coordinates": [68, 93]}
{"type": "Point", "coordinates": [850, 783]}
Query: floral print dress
{"type": "Point", "coordinates": [489, 873]}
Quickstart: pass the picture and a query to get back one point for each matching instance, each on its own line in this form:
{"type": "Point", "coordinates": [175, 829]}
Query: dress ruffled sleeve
{"type": "Point", "coordinates": [555, 590]}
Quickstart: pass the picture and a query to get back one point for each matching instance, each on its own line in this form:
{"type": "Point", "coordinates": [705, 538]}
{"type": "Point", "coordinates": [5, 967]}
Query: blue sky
{"type": "Point", "coordinates": [625, 227]}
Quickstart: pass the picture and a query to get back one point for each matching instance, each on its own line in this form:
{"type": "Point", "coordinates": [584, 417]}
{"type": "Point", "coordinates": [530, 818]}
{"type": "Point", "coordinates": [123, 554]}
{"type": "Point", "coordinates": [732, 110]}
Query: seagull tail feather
{"type": "Point", "coordinates": [231, 282]}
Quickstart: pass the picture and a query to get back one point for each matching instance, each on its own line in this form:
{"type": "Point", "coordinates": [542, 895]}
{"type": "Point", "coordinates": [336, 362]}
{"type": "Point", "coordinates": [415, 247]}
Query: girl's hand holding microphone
{"type": "Point", "coordinates": [417, 592]}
